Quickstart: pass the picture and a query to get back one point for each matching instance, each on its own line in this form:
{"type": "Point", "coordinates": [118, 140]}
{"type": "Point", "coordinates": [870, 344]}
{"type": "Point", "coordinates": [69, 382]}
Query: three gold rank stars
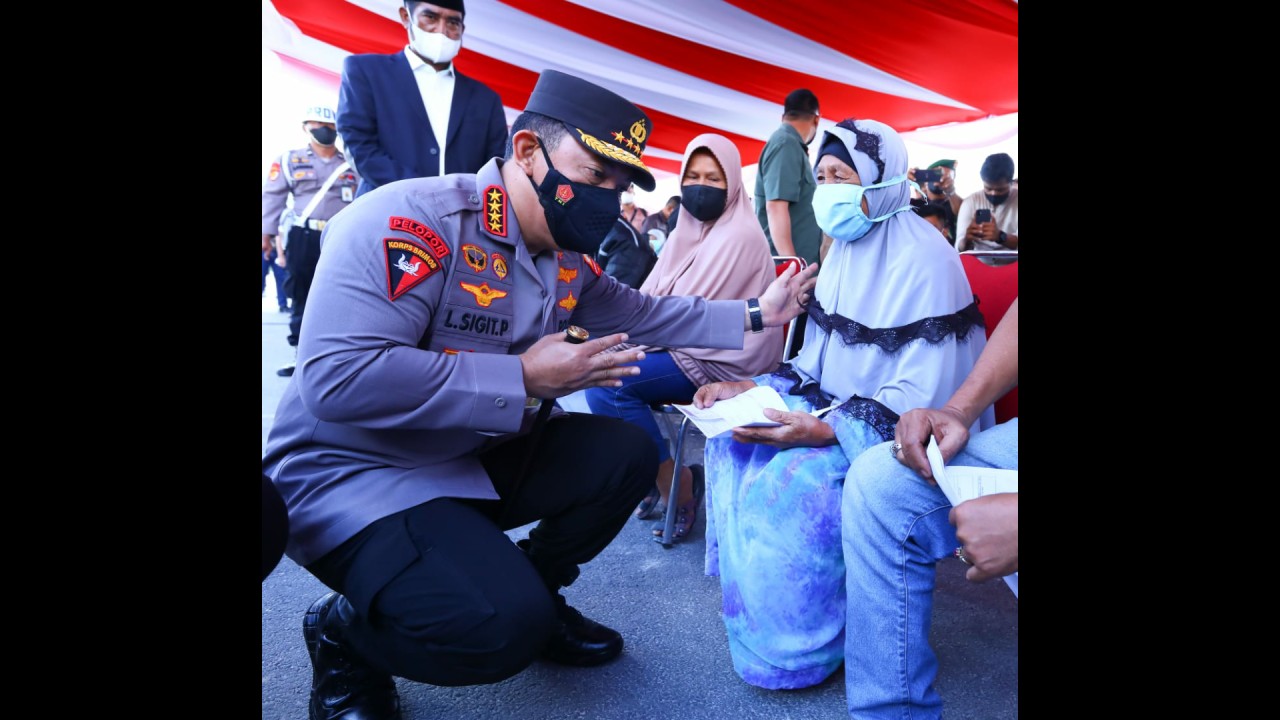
{"type": "Point", "coordinates": [495, 211]}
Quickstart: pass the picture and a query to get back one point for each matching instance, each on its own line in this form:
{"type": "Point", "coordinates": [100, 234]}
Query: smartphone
{"type": "Point", "coordinates": [928, 176]}
{"type": "Point", "coordinates": [983, 215]}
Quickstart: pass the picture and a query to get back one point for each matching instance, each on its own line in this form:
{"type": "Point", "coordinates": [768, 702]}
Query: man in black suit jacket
{"type": "Point", "coordinates": [410, 114]}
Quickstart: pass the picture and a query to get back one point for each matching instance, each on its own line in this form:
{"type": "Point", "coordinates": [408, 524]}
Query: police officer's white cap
{"type": "Point", "coordinates": [320, 113]}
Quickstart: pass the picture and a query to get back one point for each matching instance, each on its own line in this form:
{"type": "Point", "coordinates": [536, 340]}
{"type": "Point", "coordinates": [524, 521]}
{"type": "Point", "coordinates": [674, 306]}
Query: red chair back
{"type": "Point", "coordinates": [780, 265]}
{"type": "Point", "coordinates": [996, 288]}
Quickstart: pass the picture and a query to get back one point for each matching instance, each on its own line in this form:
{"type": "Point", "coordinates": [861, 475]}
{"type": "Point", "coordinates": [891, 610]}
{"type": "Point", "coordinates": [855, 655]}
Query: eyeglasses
{"type": "Point", "coordinates": [452, 23]}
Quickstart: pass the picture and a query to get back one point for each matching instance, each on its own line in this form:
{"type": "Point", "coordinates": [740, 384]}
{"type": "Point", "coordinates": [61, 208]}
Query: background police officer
{"type": "Point", "coordinates": [321, 182]}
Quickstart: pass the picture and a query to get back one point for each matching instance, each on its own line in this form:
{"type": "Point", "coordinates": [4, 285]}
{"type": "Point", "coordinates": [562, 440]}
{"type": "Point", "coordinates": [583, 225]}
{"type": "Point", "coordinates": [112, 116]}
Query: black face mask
{"type": "Point", "coordinates": [324, 135]}
{"type": "Point", "coordinates": [703, 201]}
{"type": "Point", "coordinates": [578, 215]}
{"type": "Point", "coordinates": [996, 199]}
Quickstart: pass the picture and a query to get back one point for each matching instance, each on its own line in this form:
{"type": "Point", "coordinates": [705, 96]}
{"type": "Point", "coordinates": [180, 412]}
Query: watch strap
{"type": "Point", "coordinates": [756, 315]}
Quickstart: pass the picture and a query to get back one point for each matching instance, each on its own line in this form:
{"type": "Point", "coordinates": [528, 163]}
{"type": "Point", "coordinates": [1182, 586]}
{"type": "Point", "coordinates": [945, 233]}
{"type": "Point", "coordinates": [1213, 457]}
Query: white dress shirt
{"type": "Point", "coordinates": [436, 89]}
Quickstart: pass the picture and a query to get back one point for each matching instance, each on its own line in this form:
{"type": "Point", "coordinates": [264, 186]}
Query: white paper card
{"type": "Point", "coordinates": [743, 410]}
{"type": "Point", "coordinates": [963, 482]}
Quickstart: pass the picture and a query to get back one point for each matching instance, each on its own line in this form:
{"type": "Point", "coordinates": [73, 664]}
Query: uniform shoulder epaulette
{"type": "Point", "coordinates": [448, 200]}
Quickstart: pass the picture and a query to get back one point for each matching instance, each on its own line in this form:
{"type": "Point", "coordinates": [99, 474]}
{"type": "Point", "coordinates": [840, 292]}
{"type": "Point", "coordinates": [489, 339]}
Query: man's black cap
{"type": "Point", "coordinates": [604, 122]}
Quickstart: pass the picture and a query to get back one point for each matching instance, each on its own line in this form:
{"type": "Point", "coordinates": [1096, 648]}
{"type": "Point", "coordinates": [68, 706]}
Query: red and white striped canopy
{"type": "Point", "coordinates": [700, 66]}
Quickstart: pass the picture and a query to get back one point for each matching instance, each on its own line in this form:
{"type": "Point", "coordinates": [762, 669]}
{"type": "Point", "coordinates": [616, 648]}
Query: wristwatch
{"type": "Point", "coordinates": [1002, 238]}
{"type": "Point", "coordinates": [757, 317]}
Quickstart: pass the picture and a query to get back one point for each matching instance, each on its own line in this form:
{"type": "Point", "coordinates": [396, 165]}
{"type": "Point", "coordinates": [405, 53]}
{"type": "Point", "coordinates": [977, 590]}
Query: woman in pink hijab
{"type": "Point", "coordinates": [717, 251]}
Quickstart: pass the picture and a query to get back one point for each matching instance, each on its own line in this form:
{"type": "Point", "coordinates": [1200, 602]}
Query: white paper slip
{"type": "Point", "coordinates": [743, 410]}
{"type": "Point", "coordinates": [964, 482]}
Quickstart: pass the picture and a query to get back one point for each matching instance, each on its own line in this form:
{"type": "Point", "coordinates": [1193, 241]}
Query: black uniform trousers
{"type": "Point", "coordinates": [275, 526]}
{"type": "Point", "coordinates": [439, 594]}
{"type": "Point", "coordinates": [301, 254]}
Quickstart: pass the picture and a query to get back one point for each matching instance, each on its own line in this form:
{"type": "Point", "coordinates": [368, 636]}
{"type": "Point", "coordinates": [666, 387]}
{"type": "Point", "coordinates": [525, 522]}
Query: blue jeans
{"type": "Point", "coordinates": [660, 380]}
{"type": "Point", "coordinates": [280, 274]}
{"type": "Point", "coordinates": [895, 529]}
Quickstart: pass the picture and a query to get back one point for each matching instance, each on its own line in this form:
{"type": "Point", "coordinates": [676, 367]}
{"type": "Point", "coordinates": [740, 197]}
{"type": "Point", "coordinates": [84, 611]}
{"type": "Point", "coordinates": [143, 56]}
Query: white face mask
{"type": "Point", "coordinates": [435, 47]}
{"type": "Point", "coordinates": [628, 198]}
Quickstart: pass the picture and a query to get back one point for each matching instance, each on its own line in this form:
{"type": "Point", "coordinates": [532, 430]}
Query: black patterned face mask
{"type": "Point", "coordinates": [324, 135]}
{"type": "Point", "coordinates": [579, 215]}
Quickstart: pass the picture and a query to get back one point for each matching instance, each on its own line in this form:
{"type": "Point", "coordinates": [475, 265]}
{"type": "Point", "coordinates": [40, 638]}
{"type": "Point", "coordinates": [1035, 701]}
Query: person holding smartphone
{"type": "Point", "coordinates": [937, 185]}
{"type": "Point", "coordinates": [988, 219]}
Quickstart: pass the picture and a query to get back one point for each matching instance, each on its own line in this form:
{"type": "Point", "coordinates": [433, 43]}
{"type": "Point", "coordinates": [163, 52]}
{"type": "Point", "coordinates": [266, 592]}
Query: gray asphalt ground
{"type": "Point", "coordinates": [676, 662]}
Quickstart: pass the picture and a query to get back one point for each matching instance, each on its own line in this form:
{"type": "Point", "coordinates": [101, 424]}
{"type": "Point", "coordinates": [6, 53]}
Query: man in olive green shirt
{"type": "Point", "coordinates": [785, 183]}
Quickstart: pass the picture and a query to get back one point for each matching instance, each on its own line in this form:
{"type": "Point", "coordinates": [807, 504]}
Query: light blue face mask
{"type": "Point", "coordinates": [838, 207]}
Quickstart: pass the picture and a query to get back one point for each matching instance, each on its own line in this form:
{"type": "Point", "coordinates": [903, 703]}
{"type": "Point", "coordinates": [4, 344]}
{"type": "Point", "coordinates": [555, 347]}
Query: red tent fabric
{"type": "Point", "coordinates": [705, 65]}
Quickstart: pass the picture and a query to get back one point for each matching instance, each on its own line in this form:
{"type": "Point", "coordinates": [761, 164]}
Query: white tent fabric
{"type": "Point", "coordinates": [697, 66]}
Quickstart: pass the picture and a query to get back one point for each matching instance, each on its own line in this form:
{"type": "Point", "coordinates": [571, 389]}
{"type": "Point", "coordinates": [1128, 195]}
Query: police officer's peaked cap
{"type": "Point", "coordinates": [319, 113]}
{"type": "Point", "coordinates": [604, 122]}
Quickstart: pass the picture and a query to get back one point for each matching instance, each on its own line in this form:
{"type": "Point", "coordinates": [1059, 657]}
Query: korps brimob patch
{"type": "Point", "coordinates": [407, 265]}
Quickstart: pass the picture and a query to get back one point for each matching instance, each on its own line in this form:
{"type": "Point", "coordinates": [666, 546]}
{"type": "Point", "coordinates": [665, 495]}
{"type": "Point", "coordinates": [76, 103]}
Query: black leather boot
{"type": "Point", "coordinates": [343, 687]}
{"type": "Point", "coordinates": [579, 640]}
{"type": "Point", "coordinates": [576, 639]}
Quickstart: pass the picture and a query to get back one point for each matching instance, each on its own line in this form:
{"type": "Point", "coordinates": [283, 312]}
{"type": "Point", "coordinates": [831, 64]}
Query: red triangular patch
{"type": "Point", "coordinates": [408, 264]}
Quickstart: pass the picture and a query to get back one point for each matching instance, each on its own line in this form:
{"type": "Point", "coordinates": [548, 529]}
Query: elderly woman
{"type": "Point", "coordinates": [718, 251]}
{"type": "Point", "coordinates": [892, 326]}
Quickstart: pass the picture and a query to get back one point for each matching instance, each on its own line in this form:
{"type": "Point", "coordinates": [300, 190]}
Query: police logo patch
{"type": "Point", "coordinates": [499, 266]}
{"type": "Point", "coordinates": [564, 194]}
{"type": "Point", "coordinates": [591, 263]}
{"type": "Point", "coordinates": [569, 302]}
{"type": "Point", "coordinates": [422, 232]}
{"type": "Point", "coordinates": [407, 265]}
{"type": "Point", "coordinates": [495, 210]}
{"type": "Point", "coordinates": [567, 275]}
{"type": "Point", "coordinates": [275, 171]}
{"type": "Point", "coordinates": [484, 294]}
{"type": "Point", "coordinates": [475, 257]}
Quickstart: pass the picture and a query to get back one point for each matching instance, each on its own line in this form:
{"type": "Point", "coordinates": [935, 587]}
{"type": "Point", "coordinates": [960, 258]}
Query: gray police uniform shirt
{"type": "Point", "coordinates": [303, 174]}
{"type": "Point", "coordinates": [407, 366]}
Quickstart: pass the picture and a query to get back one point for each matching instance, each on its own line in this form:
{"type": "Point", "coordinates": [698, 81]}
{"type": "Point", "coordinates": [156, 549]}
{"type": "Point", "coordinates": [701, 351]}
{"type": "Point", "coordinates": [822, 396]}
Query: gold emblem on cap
{"type": "Point", "coordinates": [638, 132]}
{"type": "Point", "coordinates": [613, 152]}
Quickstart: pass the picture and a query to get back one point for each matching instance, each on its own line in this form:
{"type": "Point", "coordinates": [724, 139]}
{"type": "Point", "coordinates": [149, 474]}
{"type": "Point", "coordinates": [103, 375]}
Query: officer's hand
{"type": "Point", "coordinates": [788, 295]}
{"type": "Point", "coordinates": [554, 367]}
{"type": "Point", "coordinates": [280, 259]}
{"type": "Point", "coordinates": [268, 244]}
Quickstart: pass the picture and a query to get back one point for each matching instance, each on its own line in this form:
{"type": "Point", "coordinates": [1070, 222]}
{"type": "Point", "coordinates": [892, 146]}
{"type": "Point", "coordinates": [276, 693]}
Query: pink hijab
{"type": "Point", "coordinates": [725, 259]}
